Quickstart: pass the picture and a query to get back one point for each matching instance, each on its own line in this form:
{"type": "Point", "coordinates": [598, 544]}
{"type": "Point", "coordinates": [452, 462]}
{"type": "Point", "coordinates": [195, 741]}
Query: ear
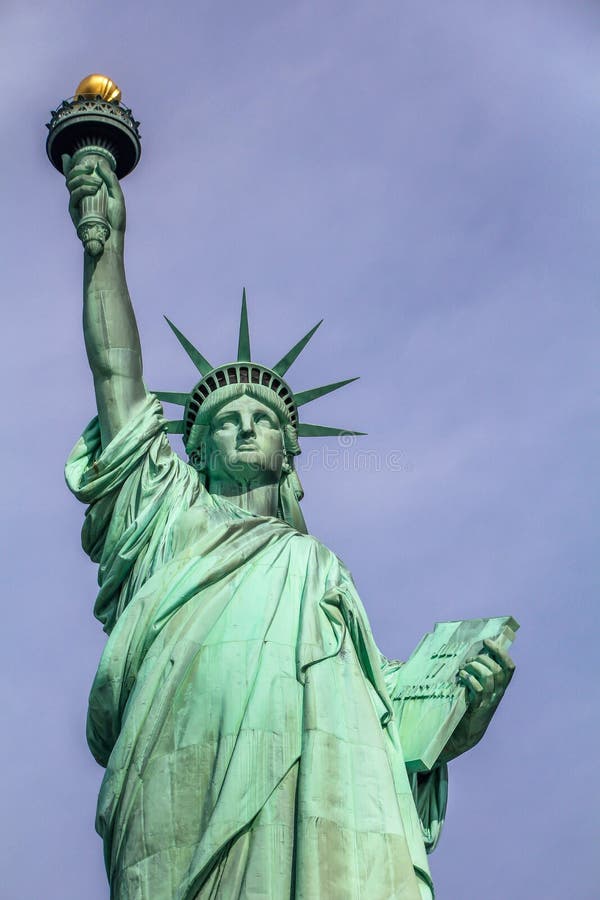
{"type": "Point", "coordinates": [290, 440]}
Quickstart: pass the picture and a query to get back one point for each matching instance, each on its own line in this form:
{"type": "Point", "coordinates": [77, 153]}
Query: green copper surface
{"type": "Point", "coordinates": [174, 426]}
{"type": "Point", "coordinates": [306, 430]}
{"type": "Point", "coordinates": [292, 355]}
{"type": "Point", "coordinates": [256, 742]}
{"type": "Point", "coordinates": [303, 397]}
{"type": "Point", "coordinates": [202, 364]}
{"type": "Point", "coordinates": [243, 352]}
{"type": "Point", "coordinates": [172, 397]}
{"type": "Point", "coordinates": [225, 381]}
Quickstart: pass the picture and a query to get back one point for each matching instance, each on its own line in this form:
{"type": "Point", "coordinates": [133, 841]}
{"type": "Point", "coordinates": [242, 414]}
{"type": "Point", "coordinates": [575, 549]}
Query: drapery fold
{"type": "Point", "coordinates": [239, 662]}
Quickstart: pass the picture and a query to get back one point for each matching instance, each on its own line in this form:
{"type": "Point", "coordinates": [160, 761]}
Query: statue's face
{"type": "Point", "coordinates": [245, 443]}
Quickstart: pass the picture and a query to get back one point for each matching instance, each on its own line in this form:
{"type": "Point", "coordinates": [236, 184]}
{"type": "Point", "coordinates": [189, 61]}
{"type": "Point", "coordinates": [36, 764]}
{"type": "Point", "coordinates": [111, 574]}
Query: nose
{"type": "Point", "coordinates": [247, 426]}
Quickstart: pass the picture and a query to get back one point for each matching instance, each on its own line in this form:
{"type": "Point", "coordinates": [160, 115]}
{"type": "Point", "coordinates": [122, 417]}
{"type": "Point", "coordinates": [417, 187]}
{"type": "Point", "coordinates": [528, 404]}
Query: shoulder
{"type": "Point", "coordinates": [314, 548]}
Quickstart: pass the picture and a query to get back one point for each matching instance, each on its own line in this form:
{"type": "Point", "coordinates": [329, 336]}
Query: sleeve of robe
{"type": "Point", "coordinates": [430, 789]}
{"type": "Point", "coordinates": [134, 487]}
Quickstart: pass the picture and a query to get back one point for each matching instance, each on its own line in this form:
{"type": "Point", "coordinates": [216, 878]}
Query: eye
{"type": "Point", "coordinates": [265, 419]}
{"type": "Point", "coordinates": [224, 422]}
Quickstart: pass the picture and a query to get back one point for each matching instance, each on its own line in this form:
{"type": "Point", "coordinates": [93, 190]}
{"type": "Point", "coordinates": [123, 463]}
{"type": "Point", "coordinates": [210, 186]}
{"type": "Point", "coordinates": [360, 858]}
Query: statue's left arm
{"type": "Point", "coordinates": [486, 678]}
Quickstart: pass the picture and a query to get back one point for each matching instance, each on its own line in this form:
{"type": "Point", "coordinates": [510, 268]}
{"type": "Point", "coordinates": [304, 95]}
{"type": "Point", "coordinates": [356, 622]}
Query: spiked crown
{"type": "Point", "coordinates": [246, 371]}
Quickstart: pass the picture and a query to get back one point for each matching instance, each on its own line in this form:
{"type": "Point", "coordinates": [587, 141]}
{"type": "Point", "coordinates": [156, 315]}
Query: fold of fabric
{"type": "Point", "coordinates": [240, 706]}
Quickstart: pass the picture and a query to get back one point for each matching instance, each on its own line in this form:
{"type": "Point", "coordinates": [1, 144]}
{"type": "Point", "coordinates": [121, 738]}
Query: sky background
{"type": "Point", "coordinates": [425, 175]}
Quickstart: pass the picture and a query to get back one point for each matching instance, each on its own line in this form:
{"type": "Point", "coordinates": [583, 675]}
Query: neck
{"type": "Point", "coordinates": [258, 498]}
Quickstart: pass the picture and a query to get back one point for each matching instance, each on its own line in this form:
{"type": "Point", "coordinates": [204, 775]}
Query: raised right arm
{"type": "Point", "coordinates": [109, 326]}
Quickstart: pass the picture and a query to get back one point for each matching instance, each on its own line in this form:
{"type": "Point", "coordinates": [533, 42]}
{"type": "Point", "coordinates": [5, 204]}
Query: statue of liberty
{"type": "Point", "coordinates": [245, 717]}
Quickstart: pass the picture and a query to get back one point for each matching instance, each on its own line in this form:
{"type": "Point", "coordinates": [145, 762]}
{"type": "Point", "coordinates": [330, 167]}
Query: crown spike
{"type": "Point", "coordinates": [243, 353]}
{"type": "Point", "coordinates": [306, 430]}
{"type": "Point", "coordinates": [172, 397]}
{"type": "Point", "coordinates": [314, 393]}
{"type": "Point", "coordinates": [175, 426]}
{"type": "Point", "coordinates": [286, 361]}
{"type": "Point", "coordinates": [202, 364]}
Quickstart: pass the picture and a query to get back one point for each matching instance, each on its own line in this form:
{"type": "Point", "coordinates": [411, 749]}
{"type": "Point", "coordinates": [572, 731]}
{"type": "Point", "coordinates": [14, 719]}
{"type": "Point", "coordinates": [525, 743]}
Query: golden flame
{"type": "Point", "coordinates": [99, 86]}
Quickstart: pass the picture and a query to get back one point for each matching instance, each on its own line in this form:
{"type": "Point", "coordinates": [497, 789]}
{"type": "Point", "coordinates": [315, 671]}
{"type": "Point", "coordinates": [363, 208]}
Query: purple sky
{"type": "Point", "coordinates": [426, 176]}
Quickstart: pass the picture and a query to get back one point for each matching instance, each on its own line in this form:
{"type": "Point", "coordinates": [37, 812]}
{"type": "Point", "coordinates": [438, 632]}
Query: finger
{"type": "Point", "coordinates": [474, 689]}
{"type": "Point", "coordinates": [67, 162]}
{"type": "Point", "coordinates": [80, 169]}
{"type": "Point", "coordinates": [485, 660]}
{"type": "Point", "coordinates": [477, 668]}
{"type": "Point", "coordinates": [499, 655]}
{"type": "Point", "coordinates": [501, 658]}
{"type": "Point", "coordinates": [491, 684]}
{"type": "Point", "coordinates": [109, 178]}
{"type": "Point", "coordinates": [81, 192]}
{"type": "Point", "coordinates": [84, 180]}
{"type": "Point", "coordinates": [482, 674]}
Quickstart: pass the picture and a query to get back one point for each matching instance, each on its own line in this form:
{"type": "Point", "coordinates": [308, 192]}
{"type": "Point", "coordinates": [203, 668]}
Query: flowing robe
{"type": "Point", "coordinates": [241, 707]}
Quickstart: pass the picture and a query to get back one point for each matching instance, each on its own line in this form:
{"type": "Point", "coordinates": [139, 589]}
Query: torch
{"type": "Point", "coordinates": [92, 126]}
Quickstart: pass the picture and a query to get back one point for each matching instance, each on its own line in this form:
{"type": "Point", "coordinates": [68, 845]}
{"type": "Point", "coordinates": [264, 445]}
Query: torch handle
{"type": "Point", "coordinates": [94, 229]}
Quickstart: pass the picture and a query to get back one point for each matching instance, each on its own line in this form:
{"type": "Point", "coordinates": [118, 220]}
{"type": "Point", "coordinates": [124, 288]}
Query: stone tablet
{"type": "Point", "coordinates": [429, 701]}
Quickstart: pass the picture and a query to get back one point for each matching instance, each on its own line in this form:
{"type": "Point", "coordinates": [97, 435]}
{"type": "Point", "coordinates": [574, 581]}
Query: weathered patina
{"type": "Point", "coordinates": [250, 728]}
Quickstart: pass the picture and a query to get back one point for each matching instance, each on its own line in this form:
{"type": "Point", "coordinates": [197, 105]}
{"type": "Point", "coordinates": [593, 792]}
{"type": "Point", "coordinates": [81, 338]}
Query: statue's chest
{"type": "Point", "coordinates": [192, 527]}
